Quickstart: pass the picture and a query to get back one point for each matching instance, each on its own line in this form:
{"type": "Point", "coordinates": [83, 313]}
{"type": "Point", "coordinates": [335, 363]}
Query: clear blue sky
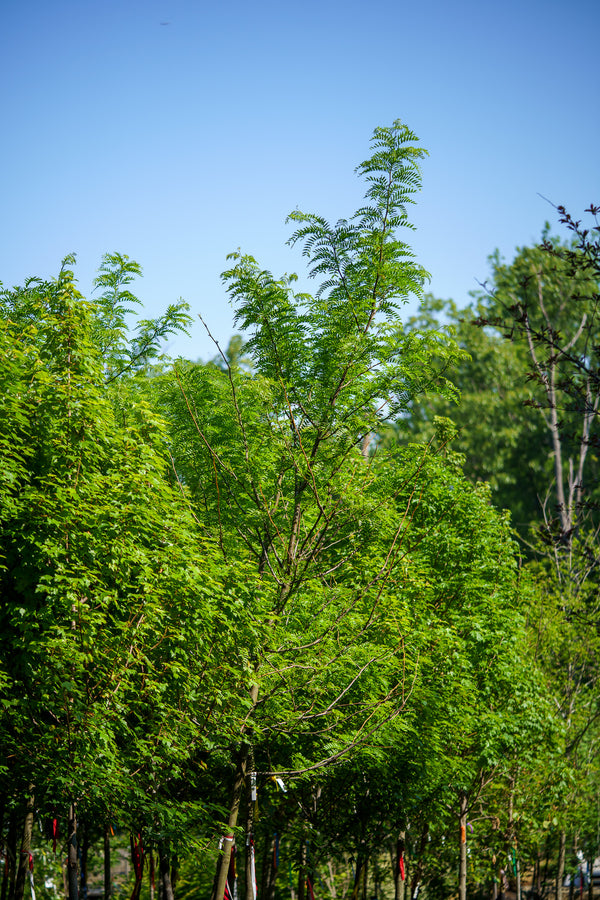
{"type": "Point", "coordinates": [177, 143]}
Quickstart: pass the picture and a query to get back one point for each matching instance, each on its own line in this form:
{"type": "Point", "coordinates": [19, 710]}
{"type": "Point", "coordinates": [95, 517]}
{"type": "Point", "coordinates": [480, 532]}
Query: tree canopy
{"type": "Point", "coordinates": [330, 596]}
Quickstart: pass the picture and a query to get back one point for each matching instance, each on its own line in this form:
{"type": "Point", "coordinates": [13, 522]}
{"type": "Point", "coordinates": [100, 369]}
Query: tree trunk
{"type": "Point", "coordinates": [416, 879]}
{"type": "Point", "coordinates": [228, 839]}
{"type": "Point", "coordinates": [269, 869]}
{"type": "Point", "coordinates": [546, 861]}
{"type": "Point", "coordinates": [538, 873]}
{"type": "Point", "coordinates": [25, 849]}
{"type": "Point", "coordinates": [165, 874]}
{"type": "Point", "coordinates": [250, 801]}
{"type": "Point", "coordinates": [10, 869]}
{"type": "Point", "coordinates": [302, 872]}
{"type": "Point", "coordinates": [238, 786]}
{"type": "Point", "coordinates": [573, 866]}
{"type": "Point", "coordinates": [85, 846]}
{"type": "Point", "coordinates": [518, 875]}
{"type": "Point", "coordinates": [591, 878]}
{"type": "Point", "coordinates": [72, 854]}
{"type": "Point", "coordinates": [400, 869]}
{"type": "Point", "coordinates": [174, 872]}
{"type": "Point", "coordinates": [560, 870]}
{"type": "Point", "coordinates": [107, 871]}
{"type": "Point", "coordinates": [151, 875]}
{"type": "Point", "coordinates": [462, 864]}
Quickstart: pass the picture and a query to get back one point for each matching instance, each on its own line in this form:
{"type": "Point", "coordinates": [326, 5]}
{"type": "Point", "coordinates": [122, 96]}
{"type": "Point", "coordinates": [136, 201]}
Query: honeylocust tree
{"type": "Point", "coordinates": [469, 703]}
{"type": "Point", "coordinates": [282, 464]}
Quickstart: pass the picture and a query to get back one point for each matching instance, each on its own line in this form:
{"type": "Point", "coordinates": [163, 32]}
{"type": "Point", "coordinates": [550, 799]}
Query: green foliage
{"type": "Point", "coordinates": [276, 458]}
{"type": "Point", "coordinates": [393, 655]}
{"type": "Point", "coordinates": [501, 442]}
{"type": "Point", "coordinates": [295, 567]}
{"type": "Point", "coordinates": [122, 353]}
{"type": "Point", "coordinates": [114, 617]}
{"type": "Point", "coordinates": [527, 424]}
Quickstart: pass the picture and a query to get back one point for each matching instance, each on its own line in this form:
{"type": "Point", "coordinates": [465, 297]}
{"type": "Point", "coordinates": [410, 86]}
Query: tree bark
{"type": "Point", "coordinates": [416, 879]}
{"type": "Point", "coordinates": [302, 872]}
{"type": "Point", "coordinates": [72, 854]}
{"type": "Point", "coordinates": [25, 849]}
{"type": "Point", "coordinates": [250, 801]}
{"type": "Point", "coordinates": [174, 872]}
{"type": "Point", "coordinates": [165, 874]}
{"type": "Point", "coordinates": [234, 808]}
{"type": "Point", "coordinates": [560, 869]}
{"type": "Point", "coordinates": [269, 869]}
{"type": "Point", "coordinates": [547, 860]}
{"type": "Point", "coordinates": [107, 871]}
{"type": "Point", "coordinates": [538, 873]}
{"type": "Point", "coordinates": [399, 882]}
{"type": "Point", "coordinates": [83, 875]}
{"type": "Point", "coordinates": [462, 863]}
{"type": "Point", "coordinates": [10, 869]}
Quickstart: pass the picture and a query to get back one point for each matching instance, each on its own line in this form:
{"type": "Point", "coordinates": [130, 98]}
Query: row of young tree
{"type": "Point", "coordinates": [273, 601]}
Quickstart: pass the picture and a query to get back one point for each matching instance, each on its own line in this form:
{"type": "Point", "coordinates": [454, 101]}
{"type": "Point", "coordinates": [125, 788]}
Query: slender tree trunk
{"type": "Point", "coordinates": [250, 801]}
{"type": "Point", "coordinates": [591, 878]}
{"type": "Point", "coordinates": [573, 866]}
{"type": "Point", "coordinates": [5, 870]}
{"type": "Point", "coordinates": [462, 865]}
{"type": "Point", "coordinates": [174, 872]}
{"type": "Point", "coordinates": [25, 849]}
{"type": "Point", "coordinates": [213, 892]}
{"type": "Point", "coordinates": [560, 870]}
{"type": "Point", "coordinates": [265, 869]}
{"type": "Point", "coordinates": [399, 881]}
{"type": "Point", "coordinates": [10, 869]}
{"type": "Point", "coordinates": [234, 809]}
{"type": "Point", "coordinates": [503, 884]}
{"type": "Point", "coordinates": [165, 874]}
{"type": "Point", "coordinates": [72, 866]}
{"type": "Point", "coordinates": [151, 889]}
{"type": "Point", "coordinates": [518, 874]}
{"type": "Point", "coordinates": [302, 872]}
{"type": "Point", "coordinates": [269, 869]}
{"type": "Point", "coordinates": [547, 861]}
{"type": "Point", "coordinates": [416, 879]}
{"type": "Point", "coordinates": [107, 871]}
{"type": "Point", "coordinates": [85, 846]}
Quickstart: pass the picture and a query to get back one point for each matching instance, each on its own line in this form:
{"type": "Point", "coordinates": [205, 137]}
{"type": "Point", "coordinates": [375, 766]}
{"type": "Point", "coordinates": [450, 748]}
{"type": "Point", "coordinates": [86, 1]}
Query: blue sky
{"type": "Point", "coordinates": [177, 143]}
